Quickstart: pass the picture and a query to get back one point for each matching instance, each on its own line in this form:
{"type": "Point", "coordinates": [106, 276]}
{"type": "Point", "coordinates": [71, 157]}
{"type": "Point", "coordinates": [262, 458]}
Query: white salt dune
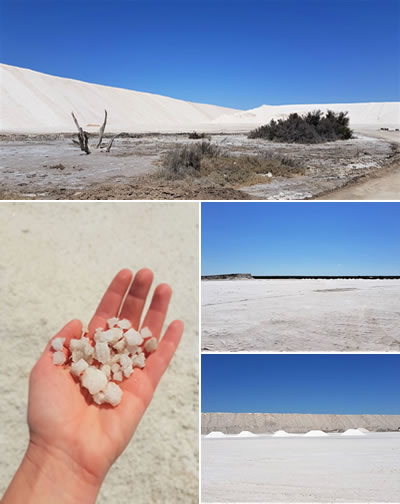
{"type": "Point", "coordinates": [367, 115]}
{"type": "Point", "coordinates": [335, 468]}
{"type": "Point", "coordinates": [300, 315]}
{"type": "Point", "coordinates": [34, 102]}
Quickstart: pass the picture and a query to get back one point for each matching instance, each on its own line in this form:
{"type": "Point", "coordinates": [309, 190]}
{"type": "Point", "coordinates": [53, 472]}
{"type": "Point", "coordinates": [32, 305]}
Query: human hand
{"type": "Point", "coordinates": [68, 432]}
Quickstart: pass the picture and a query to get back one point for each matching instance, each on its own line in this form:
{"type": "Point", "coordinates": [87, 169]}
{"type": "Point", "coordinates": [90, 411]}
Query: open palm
{"type": "Point", "coordinates": [62, 417]}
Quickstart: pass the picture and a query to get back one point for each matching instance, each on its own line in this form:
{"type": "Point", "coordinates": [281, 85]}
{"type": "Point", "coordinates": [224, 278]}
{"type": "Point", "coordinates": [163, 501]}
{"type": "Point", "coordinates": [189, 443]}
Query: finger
{"type": "Point", "coordinates": [110, 304]}
{"type": "Point", "coordinates": [136, 298]}
{"type": "Point", "coordinates": [155, 317]}
{"type": "Point", "coordinates": [158, 361]}
{"type": "Point", "coordinates": [71, 330]}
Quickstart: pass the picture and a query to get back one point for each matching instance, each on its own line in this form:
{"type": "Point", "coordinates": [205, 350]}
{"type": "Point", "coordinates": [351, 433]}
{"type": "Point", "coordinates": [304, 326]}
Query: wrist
{"type": "Point", "coordinates": [47, 475]}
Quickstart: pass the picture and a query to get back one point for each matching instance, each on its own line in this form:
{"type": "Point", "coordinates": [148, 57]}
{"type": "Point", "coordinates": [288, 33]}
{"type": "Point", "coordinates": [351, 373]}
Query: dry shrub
{"type": "Point", "coordinates": [205, 162]}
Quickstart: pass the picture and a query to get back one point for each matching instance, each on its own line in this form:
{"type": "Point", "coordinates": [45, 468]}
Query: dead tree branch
{"type": "Point", "coordinates": [111, 142]}
{"type": "Point", "coordinates": [102, 130]}
{"type": "Point", "coordinates": [82, 136]}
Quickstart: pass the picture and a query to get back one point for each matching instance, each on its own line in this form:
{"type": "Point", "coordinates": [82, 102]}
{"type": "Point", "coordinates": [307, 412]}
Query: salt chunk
{"type": "Point", "coordinates": [113, 394]}
{"type": "Point", "coordinates": [139, 360]}
{"type": "Point", "coordinates": [133, 339]}
{"type": "Point", "coordinates": [128, 370]}
{"type": "Point", "coordinates": [120, 345]}
{"type": "Point", "coordinates": [115, 368]}
{"type": "Point", "coordinates": [58, 358]}
{"type": "Point", "coordinates": [150, 345]}
{"type": "Point", "coordinates": [134, 349]}
{"type": "Point", "coordinates": [102, 352]}
{"type": "Point", "coordinates": [124, 324]}
{"type": "Point", "coordinates": [125, 361]}
{"type": "Point", "coordinates": [75, 344]}
{"type": "Point", "coordinates": [58, 344]}
{"type": "Point", "coordinates": [77, 355]}
{"type": "Point", "coordinates": [87, 348]}
{"type": "Point", "coordinates": [116, 333]}
{"type": "Point", "coordinates": [115, 358]}
{"type": "Point", "coordinates": [113, 321]}
{"type": "Point", "coordinates": [146, 333]}
{"type": "Point", "coordinates": [77, 368]}
{"type": "Point", "coordinates": [99, 398]}
{"type": "Point", "coordinates": [94, 380]}
{"type": "Point", "coordinates": [117, 376]}
{"type": "Point", "coordinates": [106, 369]}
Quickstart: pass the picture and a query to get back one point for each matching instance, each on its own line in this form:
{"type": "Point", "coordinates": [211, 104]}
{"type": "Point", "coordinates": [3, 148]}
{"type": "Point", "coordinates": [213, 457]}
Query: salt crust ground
{"type": "Point", "coordinates": [334, 468]}
{"type": "Point", "coordinates": [300, 315]}
{"type": "Point", "coordinates": [54, 267]}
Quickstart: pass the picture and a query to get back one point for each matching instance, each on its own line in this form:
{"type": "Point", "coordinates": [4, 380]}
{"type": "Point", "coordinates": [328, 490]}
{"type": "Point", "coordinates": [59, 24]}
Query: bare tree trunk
{"type": "Point", "coordinates": [102, 130]}
{"type": "Point", "coordinates": [111, 142]}
{"type": "Point", "coordinates": [82, 136]}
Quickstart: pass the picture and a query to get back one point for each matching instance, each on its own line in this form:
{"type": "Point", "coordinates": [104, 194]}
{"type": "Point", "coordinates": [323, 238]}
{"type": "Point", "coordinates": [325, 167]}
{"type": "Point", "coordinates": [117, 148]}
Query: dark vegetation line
{"type": "Point", "coordinates": [238, 276]}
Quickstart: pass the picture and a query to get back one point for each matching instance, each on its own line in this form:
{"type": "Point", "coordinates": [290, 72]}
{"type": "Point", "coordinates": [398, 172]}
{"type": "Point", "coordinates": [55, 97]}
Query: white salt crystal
{"type": "Point", "coordinates": [115, 358]}
{"type": "Point", "coordinates": [120, 345]}
{"type": "Point", "coordinates": [106, 370]}
{"type": "Point", "coordinates": [124, 324]}
{"type": "Point", "coordinates": [77, 355]}
{"type": "Point", "coordinates": [87, 348]}
{"type": "Point", "coordinates": [75, 344]}
{"type": "Point", "coordinates": [116, 333]}
{"type": "Point", "coordinates": [133, 339]}
{"type": "Point", "coordinates": [102, 352]}
{"type": "Point", "coordinates": [113, 321]}
{"type": "Point", "coordinates": [146, 333]}
{"type": "Point", "coordinates": [58, 358]}
{"type": "Point", "coordinates": [113, 394]}
{"type": "Point", "coordinates": [139, 360]}
{"type": "Point", "coordinates": [58, 344]}
{"type": "Point", "coordinates": [125, 361]}
{"type": "Point", "coordinates": [117, 376]}
{"type": "Point", "coordinates": [150, 345]}
{"type": "Point", "coordinates": [94, 380]}
{"type": "Point", "coordinates": [128, 370]}
{"type": "Point", "coordinates": [77, 368]}
{"type": "Point", "coordinates": [115, 368]}
{"type": "Point", "coordinates": [99, 398]}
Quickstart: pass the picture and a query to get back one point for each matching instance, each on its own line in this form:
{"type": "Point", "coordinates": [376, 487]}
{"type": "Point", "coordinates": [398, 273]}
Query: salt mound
{"type": "Point", "coordinates": [281, 433]}
{"type": "Point", "coordinates": [216, 434]}
{"type": "Point", "coordinates": [316, 433]}
{"type": "Point", "coordinates": [353, 432]}
{"type": "Point", "coordinates": [361, 429]}
{"type": "Point", "coordinates": [109, 357]}
{"type": "Point", "coordinates": [246, 433]}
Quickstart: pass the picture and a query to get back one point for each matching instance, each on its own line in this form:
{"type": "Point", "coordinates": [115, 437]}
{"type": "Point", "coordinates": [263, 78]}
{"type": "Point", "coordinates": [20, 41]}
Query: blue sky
{"type": "Point", "coordinates": [312, 238]}
{"type": "Point", "coordinates": [337, 384]}
{"type": "Point", "coordinates": [234, 53]}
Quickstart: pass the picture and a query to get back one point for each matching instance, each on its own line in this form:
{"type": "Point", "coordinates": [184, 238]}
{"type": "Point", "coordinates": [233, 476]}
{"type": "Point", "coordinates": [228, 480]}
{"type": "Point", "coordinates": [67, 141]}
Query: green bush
{"type": "Point", "coordinates": [314, 127]}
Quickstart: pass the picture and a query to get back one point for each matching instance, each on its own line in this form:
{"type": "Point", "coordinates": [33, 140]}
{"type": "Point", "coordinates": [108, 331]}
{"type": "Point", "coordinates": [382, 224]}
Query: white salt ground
{"type": "Point", "coordinates": [299, 469]}
{"type": "Point", "coordinates": [300, 315]}
{"type": "Point", "coordinates": [54, 267]}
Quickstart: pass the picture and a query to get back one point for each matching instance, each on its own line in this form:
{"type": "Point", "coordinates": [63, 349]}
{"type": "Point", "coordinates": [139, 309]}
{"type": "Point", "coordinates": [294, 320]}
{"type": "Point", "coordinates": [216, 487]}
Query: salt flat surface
{"type": "Point", "coordinates": [301, 315]}
{"type": "Point", "coordinates": [54, 267]}
{"type": "Point", "coordinates": [298, 469]}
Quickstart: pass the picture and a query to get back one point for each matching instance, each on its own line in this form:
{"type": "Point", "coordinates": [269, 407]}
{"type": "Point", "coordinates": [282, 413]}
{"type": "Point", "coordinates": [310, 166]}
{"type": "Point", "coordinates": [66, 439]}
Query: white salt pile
{"type": "Point", "coordinates": [316, 433]}
{"type": "Point", "coordinates": [353, 432]}
{"type": "Point", "coordinates": [365, 431]}
{"type": "Point", "coordinates": [115, 353]}
{"type": "Point", "coordinates": [246, 433]}
{"type": "Point", "coordinates": [281, 433]}
{"type": "Point", "coordinates": [216, 434]}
